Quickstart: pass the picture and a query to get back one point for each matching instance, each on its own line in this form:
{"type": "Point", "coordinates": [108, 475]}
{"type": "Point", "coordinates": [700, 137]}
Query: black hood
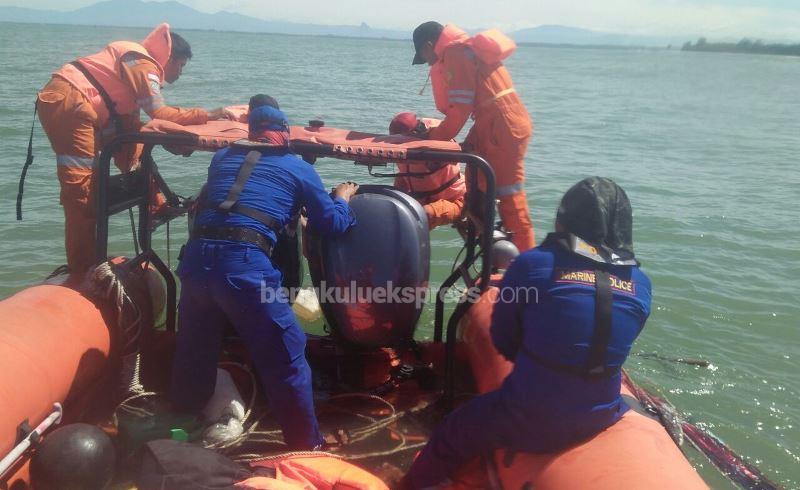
{"type": "Point", "coordinates": [598, 211]}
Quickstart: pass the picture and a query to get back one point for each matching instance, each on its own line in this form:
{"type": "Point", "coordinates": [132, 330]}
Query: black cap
{"type": "Point", "coordinates": [598, 211]}
{"type": "Point", "coordinates": [261, 99]}
{"type": "Point", "coordinates": [427, 31]}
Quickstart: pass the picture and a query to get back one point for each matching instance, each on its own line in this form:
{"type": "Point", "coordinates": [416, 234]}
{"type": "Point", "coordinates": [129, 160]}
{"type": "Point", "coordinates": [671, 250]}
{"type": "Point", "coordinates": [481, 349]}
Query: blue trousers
{"type": "Point", "coordinates": [229, 283]}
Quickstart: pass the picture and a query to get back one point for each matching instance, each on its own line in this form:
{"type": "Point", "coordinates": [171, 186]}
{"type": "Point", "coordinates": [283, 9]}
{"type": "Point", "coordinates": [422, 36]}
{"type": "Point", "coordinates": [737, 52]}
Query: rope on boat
{"type": "Point", "coordinates": [252, 458]}
{"type": "Point", "coordinates": [102, 283]}
{"type": "Point", "coordinates": [373, 427]}
{"type": "Point", "coordinates": [253, 436]}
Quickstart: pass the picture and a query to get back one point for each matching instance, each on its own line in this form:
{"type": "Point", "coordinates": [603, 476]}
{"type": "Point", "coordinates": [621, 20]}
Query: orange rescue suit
{"type": "Point", "coordinates": [77, 123]}
{"type": "Point", "coordinates": [438, 186]}
{"type": "Point", "coordinates": [464, 86]}
{"type": "Point", "coordinates": [441, 192]}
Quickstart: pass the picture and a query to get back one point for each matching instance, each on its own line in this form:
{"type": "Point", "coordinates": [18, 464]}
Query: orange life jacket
{"type": "Point", "coordinates": [490, 48]}
{"type": "Point", "coordinates": [447, 183]}
{"type": "Point", "coordinates": [105, 68]}
{"type": "Point", "coordinates": [313, 471]}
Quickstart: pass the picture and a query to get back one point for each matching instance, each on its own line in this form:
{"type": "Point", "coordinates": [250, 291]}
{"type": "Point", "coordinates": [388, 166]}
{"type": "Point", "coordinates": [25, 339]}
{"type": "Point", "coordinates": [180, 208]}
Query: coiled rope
{"type": "Point", "coordinates": [103, 284]}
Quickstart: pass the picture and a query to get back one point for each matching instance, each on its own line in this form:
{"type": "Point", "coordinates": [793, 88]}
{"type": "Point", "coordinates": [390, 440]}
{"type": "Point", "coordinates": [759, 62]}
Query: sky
{"type": "Point", "coordinates": [766, 19]}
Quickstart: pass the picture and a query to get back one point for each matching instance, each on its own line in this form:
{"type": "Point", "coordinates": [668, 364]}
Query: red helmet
{"type": "Point", "coordinates": [403, 123]}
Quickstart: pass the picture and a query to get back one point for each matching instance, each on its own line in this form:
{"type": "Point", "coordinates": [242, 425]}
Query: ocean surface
{"type": "Point", "coordinates": [706, 145]}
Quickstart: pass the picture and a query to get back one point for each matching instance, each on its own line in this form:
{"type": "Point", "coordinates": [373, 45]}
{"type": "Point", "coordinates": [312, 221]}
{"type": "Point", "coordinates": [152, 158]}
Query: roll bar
{"type": "Point", "coordinates": [118, 193]}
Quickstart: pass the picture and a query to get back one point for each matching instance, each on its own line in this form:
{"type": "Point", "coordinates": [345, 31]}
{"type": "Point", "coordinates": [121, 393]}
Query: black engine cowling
{"type": "Point", "coordinates": [378, 270]}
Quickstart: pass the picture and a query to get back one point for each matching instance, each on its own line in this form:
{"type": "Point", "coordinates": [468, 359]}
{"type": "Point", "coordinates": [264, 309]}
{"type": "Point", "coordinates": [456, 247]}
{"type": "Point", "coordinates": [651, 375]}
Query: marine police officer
{"type": "Point", "coordinates": [567, 342]}
{"type": "Point", "coordinates": [251, 193]}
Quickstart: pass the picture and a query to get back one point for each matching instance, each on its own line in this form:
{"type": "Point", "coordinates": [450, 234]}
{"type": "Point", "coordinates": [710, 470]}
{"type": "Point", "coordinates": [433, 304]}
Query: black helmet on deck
{"type": "Point", "coordinates": [73, 457]}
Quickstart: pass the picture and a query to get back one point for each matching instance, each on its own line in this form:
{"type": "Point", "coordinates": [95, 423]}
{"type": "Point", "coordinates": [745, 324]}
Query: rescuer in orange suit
{"type": "Point", "coordinates": [75, 114]}
{"type": "Point", "coordinates": [466, 82]}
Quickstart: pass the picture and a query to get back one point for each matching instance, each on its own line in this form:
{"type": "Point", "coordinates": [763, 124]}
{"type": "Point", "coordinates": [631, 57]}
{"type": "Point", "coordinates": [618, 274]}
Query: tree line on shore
{"type": "Point", "coordinates": [743, 46]}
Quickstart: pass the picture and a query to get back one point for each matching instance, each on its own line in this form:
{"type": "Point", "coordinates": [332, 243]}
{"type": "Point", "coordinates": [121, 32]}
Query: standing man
{"type": "Point", "coordinates": [227, 276]}
{"type": "Point", "coordinates": [466, 84]}
{"type": "Point", "coordinates": [567, 341]}
{"type": "Point", "coordinates": [92, 99]}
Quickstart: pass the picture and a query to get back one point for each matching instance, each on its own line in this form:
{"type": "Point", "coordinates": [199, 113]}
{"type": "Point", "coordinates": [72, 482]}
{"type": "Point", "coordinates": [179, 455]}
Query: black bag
{"type": "Point", "coordinates": [175, 465]}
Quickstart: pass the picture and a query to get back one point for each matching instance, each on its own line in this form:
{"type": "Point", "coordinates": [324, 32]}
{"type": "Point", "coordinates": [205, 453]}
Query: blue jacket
{"type": "Point", "coordinates": [557, 322]}
{"type": "Point", "coordinates": [279, 185]}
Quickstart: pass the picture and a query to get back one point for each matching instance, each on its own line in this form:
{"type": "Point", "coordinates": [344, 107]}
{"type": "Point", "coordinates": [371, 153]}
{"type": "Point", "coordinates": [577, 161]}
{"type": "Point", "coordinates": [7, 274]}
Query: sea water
{"type": "Point", "coordinates": [706, 145]}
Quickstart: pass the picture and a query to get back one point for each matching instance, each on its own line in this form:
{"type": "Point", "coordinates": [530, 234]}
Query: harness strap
{"type": "Point", "coordinates": [259, 216]}
{"type": "Point", "coordinates": [231, 203]}
{"type": "Point", "coordinates": [28, 163]}
{"type": "Point", "coordinates": [569, 369]}
{"type": "Point", "coordinates": [250, 162]}
{"type": "Point", "coordinates": [595, 367]}
{"type": "Point", "coordinates": [110, 104]}
{"type": "Point", "coordinates": [596, 362]}
{"type": "Point", "coordinates": [496, 96]}
{"type": "Point", "coordinates": [422, 194]}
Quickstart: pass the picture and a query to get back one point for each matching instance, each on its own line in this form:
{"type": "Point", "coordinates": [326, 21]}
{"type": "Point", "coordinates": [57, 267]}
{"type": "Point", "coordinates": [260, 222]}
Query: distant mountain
{"type": "Point", "coordinates": [139, 13]}
{"type": "Point", "coordinates": [555, 34]}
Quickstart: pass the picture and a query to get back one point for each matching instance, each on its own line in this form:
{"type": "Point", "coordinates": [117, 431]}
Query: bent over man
{"type": "Point", "coordinates": [465, 85]}
{"type": "Point", "coordinates": [567, 342]}
{"type": "Point", "coordinates": [92, 99]}
{"type": "Point", "coordinates": [438, 186]}
{"type": "Point", "coordinates": [227, 276]}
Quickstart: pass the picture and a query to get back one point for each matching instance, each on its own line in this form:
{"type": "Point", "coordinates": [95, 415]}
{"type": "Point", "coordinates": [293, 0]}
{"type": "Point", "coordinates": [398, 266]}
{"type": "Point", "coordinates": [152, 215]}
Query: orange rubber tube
{"type": "Point", "coordinates": [53, 344]}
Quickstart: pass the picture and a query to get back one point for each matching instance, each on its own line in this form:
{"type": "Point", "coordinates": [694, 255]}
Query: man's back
{"type": "Point", "coordinates": [279, 185]}
{"type": "Point", "coordinates": [558, 325]}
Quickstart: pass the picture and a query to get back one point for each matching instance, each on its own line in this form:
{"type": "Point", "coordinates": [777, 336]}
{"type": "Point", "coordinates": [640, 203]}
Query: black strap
{"type": "Point", "coordinates": [28, 163]}
{"type": "Point", "coordinates": [401, 174]}
{"type": "Point", "coordinates": [596, 363]}
{"type": "Point", "coordinates": [422, 194]}
{"type": "Point", "coordinates": [110, 104]}
{"type": "Point", "coordinates": [607, 372]}
{"type": "Point", "coordinates": [438, 166]}
{"type": "Point", "coordinates": [259, 216]}
{"type": "Point", "coordinates": [250, 162]}
{"type": "Point", "coordinates": [231, 202]}
{"type": "Point", "coordinates": [234, 234]}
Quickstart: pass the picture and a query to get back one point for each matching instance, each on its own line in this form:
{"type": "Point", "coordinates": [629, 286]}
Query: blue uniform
{"type": "Point", "coordinates": [541, 406]}
{"type": "Point", "coordinates": [224, 282]}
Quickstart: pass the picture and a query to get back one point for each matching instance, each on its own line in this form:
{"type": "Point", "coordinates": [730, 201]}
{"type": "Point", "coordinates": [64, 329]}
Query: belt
{"type": "Point", "coordinates": [234, 234]}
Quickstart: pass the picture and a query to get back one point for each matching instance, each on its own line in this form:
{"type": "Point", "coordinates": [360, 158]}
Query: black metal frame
{"type": "Point", "coordinates": [118, 193]}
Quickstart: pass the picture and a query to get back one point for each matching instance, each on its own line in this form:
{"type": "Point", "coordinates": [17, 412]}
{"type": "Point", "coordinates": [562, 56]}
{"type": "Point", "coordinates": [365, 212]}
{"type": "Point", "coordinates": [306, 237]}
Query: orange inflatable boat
{"type": "Point", "coordinates": [62, 344]}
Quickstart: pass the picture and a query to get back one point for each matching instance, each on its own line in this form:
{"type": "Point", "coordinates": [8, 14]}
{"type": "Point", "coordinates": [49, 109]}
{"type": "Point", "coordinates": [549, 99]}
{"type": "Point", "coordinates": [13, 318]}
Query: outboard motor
{"type": "Point", "coordinates": [376, 273]}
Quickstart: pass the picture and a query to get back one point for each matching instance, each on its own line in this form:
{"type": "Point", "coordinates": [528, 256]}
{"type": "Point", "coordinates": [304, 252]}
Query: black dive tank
{"type": "Point", "coordinates": [286, 256]}
{"type": "Point", "coordinates": [376, 275]}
